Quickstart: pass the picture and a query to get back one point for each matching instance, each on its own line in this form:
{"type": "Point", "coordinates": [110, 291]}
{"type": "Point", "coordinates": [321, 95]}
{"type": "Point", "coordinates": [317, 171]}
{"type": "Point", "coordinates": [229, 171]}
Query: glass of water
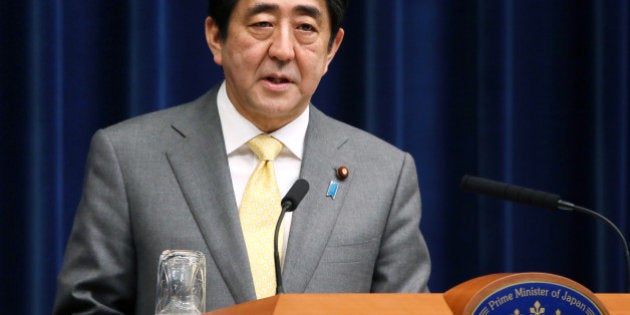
{"type": "Point", "coordinates": [181, 283]}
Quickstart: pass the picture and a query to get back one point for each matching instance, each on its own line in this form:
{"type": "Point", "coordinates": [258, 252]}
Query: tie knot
{"type": "Point", "coordinates": [265, 147]}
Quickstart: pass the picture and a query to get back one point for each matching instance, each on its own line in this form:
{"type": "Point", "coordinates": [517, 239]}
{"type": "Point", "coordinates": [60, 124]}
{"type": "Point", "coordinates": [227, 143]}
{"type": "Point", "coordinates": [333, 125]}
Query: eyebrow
{"type": "Point", "coordinates": [308, 10]}
{"type": "Point", "coordinates": [300, 9]}
{"type": "Point", "coordinates": [261, 7]}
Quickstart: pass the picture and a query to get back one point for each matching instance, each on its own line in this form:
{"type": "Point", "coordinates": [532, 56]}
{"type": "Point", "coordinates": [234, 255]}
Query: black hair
{"type": "Point", "coordinates": [221, 10]}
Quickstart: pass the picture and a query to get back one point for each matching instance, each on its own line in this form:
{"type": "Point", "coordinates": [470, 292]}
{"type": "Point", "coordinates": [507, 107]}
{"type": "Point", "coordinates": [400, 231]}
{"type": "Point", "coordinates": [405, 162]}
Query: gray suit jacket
{"type": "Point", "coordinates": [161, 181]}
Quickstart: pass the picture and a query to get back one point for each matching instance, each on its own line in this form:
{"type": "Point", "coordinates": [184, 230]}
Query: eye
{"type": "Point", "coordinates": [261, 24]}
{"type": "Point", "coordinates": [261, 28]}
{"type": "Point", "coordinates": [306, 28]}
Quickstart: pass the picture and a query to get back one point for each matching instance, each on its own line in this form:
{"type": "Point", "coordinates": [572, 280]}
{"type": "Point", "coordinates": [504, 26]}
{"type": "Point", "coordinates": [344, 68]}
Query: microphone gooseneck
{"type": "Point", "coordinates": [539, 199]}
{"type": "Point", "coordinates": [290, 201]}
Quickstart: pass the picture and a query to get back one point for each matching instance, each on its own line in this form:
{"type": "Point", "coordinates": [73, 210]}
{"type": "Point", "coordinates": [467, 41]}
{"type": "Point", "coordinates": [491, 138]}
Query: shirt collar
{"type": "Point", "coordinates": [237, 130]}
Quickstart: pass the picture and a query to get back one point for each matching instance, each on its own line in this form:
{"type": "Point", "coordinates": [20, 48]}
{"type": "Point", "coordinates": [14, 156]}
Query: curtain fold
{"type": "Point", "coordinates": [531, 92]}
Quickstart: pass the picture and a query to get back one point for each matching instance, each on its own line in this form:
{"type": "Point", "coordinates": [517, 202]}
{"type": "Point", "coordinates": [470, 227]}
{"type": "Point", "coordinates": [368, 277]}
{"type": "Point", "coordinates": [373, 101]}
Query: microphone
{"type": "Point", "coordinates": [517, 194]}
{"type": "Point", "coordinates": [539, 199]}
{"type": "Point", "coordinates": [293, 198]}
{"type": "Point", "coordinates": [290, 201]}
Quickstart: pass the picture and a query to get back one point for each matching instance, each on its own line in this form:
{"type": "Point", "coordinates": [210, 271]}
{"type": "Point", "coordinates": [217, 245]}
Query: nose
{"type": "Point", "coordinates": [282, 45]}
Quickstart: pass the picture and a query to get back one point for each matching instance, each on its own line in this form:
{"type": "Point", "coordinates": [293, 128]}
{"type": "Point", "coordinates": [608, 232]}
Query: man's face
{"type": "Point", "coordinates": [274, 56]}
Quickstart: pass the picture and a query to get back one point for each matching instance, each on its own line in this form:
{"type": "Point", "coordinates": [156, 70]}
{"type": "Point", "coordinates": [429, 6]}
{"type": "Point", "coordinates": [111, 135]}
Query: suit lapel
{"type": "Point", "coordinates": [199, 162]}
{"type": "Point", "coordinates": [315, 217]}
{"type": "Point", "coordinates": [200, 166]}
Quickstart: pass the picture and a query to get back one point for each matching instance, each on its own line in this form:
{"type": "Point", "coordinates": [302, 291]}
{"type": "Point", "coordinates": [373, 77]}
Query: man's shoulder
{"type": "Point", "coordinates": [359, 138]}
{"type": "Point", "coordinates": [153, 122]}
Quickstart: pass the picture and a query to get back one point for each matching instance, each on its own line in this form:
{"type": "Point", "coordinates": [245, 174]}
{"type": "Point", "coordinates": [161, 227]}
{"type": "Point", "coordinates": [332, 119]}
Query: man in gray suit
{"type": "Point", "coordinates": [174, 179]}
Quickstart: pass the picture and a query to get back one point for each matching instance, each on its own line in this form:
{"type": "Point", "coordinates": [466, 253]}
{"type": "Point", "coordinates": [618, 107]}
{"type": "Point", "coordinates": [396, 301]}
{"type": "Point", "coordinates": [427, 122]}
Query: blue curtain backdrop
{"type": "Point", "coordinates": [532, 92]}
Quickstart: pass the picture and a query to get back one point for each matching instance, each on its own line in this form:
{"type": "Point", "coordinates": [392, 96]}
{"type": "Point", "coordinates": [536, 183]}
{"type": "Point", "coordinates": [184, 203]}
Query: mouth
{"type": "Point", "coordinates": [277, 79]}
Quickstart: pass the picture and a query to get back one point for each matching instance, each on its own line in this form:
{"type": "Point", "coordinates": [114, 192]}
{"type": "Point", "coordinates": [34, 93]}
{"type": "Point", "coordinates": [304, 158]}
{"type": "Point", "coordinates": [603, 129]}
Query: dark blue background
{"type": "Point", "coordinates": [532, 92]}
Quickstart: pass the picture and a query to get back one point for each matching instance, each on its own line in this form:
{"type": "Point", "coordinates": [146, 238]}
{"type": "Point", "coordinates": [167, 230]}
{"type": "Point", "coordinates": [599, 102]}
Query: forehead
{"type": "Point", "coordinates": [315, 8]}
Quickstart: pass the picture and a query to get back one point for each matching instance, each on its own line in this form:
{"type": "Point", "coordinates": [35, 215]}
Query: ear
{"type": "Point", "coordinates": [213, 38]}
{"type": "Point", "coordinates": [335, 47]}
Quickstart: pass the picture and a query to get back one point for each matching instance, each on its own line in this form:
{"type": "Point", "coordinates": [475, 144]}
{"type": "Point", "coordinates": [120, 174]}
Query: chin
{"type": "Point", "coordinates": [274, 108]}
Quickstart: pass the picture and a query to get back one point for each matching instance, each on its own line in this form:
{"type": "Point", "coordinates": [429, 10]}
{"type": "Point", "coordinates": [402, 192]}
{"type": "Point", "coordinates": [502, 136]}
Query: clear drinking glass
{"type": "Point", "coordinates": [181, 283]}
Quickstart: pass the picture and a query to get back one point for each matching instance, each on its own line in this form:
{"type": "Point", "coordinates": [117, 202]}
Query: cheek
{"type": "Point", "coordinates": [237, 62]}
{"type": "Point", "coordinates": [313, 65]}
{"type": "Point", "coordinates": [247, 61]}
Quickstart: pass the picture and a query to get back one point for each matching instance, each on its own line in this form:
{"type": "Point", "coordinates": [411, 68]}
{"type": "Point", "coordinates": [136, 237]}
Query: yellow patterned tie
{"type": "Point", "coordinates": [259, 212]}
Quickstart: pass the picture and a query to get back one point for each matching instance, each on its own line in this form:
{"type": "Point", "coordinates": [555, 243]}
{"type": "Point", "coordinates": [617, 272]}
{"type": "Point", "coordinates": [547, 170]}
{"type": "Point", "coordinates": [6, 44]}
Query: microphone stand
{"type": "Point", "coordinates": [537, 199]}
{"type": "Point", "coordinates": [288, 203]}
{"type": "Point", "coordinates": [276, 252]}
{"type": "Point", "coordinates": [564, 205]}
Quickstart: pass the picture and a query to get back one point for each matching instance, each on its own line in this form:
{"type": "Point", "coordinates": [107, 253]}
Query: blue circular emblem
{"type": "Point", "coordinates": [536, 298]}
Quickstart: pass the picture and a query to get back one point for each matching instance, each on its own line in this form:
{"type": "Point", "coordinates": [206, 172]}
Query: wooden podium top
{"type": "Point", "coordinates": [361, 304]}
{"type": "Point", "coordinates": [338, 303]}
{"type": "Point", "coordinates": [616, 303]}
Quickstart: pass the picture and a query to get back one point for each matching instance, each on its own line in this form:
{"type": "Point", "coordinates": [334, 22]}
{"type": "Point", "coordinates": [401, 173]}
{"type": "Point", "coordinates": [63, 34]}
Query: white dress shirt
{"type": "Point", "coordinates": [237, 131]}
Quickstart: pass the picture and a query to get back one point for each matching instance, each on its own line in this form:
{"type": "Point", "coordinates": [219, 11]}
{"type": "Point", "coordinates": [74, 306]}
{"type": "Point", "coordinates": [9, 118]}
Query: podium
{"type": "Point", "coordinates": [520, 293]}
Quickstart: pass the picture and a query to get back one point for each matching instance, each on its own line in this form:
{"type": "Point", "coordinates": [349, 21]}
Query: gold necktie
{"type": "Point", "coordinates": [259, 212]}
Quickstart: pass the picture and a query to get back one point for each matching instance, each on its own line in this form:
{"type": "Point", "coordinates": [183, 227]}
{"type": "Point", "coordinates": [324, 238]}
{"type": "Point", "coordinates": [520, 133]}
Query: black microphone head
{"type": "Point", "coordinates": [514, 193]}
{"type": "Point", "coordinates": [295, 194]}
